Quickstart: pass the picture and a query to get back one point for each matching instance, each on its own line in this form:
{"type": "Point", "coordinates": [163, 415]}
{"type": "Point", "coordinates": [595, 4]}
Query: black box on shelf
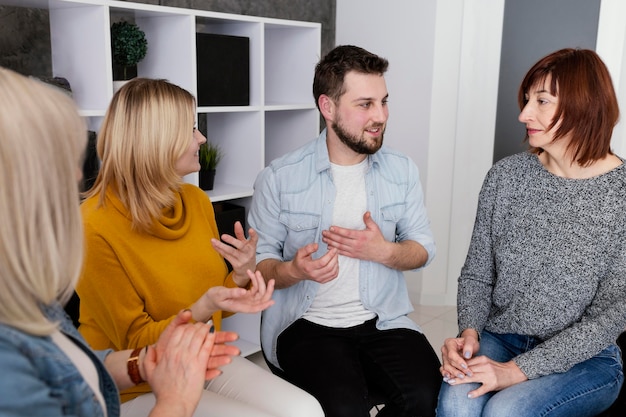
{"type": "Point", "coordinates": [226, 214]}
{"type": "Point", "coordinates": [223, 70]}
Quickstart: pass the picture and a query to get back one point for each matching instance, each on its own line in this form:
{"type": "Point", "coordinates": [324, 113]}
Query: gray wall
{"type": "Point", "coordinates": [531, 30]}
{"type": "Point", "coordinates": [25, 41]}
{"type": "Point", "coordinates": [25, 38]}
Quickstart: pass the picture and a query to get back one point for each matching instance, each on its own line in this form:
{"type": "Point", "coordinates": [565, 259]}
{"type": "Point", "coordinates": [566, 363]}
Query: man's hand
{"type": "Point", "coordinates": [323, 269]}
{"type": "Point", "coordinates": [368, 244]}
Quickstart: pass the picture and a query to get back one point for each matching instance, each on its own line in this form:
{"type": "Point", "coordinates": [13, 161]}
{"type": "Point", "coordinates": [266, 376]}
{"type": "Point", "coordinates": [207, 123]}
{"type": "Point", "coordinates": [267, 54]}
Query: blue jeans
{"type": "Point", "coordinates": [587, 389]}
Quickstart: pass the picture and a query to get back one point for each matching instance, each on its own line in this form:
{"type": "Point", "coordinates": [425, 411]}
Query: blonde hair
{"type": "Point", "coordinates": [42, 141]}
{"type": "Point", "coordinates": [147, 128]}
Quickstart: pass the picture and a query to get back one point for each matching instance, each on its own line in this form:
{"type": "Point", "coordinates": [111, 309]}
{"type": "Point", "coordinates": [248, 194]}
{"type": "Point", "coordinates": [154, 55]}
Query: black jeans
{"type": "Point", "coordinates": [341, 367]}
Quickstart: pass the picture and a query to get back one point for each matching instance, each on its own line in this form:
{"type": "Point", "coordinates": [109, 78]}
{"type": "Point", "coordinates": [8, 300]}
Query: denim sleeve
{"type": "Point", "coordinates": [23, 391]}
{"type": "Point", "coordinates": [263, 217]}
{"type": "Point", "coordinates": [416, 225]}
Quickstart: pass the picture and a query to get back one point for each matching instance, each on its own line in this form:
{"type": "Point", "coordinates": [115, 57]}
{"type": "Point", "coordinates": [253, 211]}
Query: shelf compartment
{"type": "Point", "coordinates": [210, 24]}
{"type": "Point", "coordinates": [291, 53]}
{"type": "Point", "coordinates": [171, 44]}
{"type": "Point", "coordinates": [73, 33]}
{"type": "Point", "coordinates": [284, 132]}
{"type": "Point", "coordinates": [239, 134]}
{"type": "Point", "coordinates": [227, 192]}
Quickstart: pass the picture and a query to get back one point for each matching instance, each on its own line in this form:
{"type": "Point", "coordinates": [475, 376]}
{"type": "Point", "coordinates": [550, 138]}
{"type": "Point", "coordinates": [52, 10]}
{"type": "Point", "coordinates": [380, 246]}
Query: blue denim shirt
{"type": "Point", "coordinates": [293, 202]}
{"type": "Point", "coordinates": [38, 379]}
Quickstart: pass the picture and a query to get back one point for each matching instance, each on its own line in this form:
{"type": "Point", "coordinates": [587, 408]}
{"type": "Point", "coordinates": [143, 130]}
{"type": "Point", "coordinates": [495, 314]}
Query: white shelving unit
{"type": "Point", "coordinates": [281, 114]}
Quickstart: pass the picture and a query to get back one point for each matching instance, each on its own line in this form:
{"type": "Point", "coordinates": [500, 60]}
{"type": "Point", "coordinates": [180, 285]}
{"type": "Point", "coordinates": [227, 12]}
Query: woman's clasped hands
{"type": "Point", "coordinates": [460, 366]}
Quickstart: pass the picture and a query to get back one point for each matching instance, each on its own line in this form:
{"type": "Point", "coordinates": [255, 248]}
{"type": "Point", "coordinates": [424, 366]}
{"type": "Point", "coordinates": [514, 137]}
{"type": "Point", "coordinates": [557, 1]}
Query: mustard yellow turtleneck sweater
{"type": "Point", "coordinates": [134, 283]}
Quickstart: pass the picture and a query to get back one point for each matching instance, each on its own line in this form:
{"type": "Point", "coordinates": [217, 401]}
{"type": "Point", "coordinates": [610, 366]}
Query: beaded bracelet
{"type": "Point", "coordinates": [133, 367]}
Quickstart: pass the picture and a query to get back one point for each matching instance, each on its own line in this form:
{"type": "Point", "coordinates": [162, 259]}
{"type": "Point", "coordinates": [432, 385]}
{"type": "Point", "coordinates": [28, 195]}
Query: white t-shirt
{"type": "Point", "coordinates": [338, 303]}
{"type": "Point", "coordinates": [83, 363]}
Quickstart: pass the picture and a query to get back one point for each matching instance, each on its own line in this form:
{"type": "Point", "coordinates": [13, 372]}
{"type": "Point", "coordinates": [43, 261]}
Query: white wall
{"type": "Point", "coordinates": [409, 47]}
{"type": "Point", "coordinates": [443, 79]}
{"type": "Point", "coordinates": [445, 121]}
{"type": "Point", "coordinates": [611, 46]}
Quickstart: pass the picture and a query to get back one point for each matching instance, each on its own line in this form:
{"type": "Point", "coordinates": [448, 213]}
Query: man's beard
{"type": "Point", "coordinates": [358, 144]}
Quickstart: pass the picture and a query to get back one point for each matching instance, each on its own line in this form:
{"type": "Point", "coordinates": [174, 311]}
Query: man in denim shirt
{"type": "Point", "coordinates": [338, 221]}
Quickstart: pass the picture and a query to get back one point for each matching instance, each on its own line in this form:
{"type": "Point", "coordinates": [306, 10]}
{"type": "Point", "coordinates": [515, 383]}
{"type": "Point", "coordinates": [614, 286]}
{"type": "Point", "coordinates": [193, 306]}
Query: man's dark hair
{"type": "Point", "coordinates": [332, 69]}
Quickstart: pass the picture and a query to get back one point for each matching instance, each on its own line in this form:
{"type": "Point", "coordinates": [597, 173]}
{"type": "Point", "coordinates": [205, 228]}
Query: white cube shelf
{"type": "Point", "coordinates": [281, 114]}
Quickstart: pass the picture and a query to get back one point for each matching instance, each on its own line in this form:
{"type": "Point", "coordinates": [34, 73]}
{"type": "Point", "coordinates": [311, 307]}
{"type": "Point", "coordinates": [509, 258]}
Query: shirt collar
{"type": "Point", "coordinates": [322, 162]}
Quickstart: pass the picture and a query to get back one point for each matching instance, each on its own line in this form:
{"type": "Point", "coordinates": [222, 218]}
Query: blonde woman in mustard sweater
{"type": "Point", "coordinates": [153, 248]}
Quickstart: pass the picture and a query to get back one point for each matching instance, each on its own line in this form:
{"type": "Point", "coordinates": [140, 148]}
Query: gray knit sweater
{"type": "Point", "coordinates": [547, 259]}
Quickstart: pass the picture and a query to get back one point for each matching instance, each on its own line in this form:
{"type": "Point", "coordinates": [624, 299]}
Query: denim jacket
{"type": "Point", "coordinates": [293, 202]}
{"type": "Point", "coordinates": [38, 379]}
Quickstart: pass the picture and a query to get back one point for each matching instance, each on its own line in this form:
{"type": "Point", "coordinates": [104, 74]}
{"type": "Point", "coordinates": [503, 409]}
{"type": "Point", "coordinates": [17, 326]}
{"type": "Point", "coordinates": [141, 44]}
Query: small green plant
{"type": "Point", "coordinates": [128, 45]}
{"type": "Point", "coordinates": [210, 156]}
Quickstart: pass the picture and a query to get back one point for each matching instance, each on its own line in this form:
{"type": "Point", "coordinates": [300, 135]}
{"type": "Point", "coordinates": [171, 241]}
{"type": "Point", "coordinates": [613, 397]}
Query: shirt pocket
{"type": "Point", "coordinates": [391, 215]}
{"type": "Point", "coordinates": [302, 229]}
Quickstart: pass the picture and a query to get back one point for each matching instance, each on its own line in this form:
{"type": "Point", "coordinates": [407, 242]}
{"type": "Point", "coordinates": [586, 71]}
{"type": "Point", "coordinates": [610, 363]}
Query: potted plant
{"type": "Point", "coordinates": [128, 47]}
{"type": "Point", "coordinates": [210, 156]}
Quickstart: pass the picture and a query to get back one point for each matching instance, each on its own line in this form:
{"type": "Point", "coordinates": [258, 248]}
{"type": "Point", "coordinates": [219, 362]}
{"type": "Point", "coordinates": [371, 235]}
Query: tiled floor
{"type": "Point", "coordinates": [437, 322]}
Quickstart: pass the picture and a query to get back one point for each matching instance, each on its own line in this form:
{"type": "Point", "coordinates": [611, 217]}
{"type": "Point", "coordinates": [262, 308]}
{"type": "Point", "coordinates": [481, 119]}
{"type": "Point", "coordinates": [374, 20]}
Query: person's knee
{"type": "Point", "coordinates": [339, 406]}
{"type": "Point", "coordinates": [495, 408]}
{"type": "Point", "coordinates": [341, 400]}
{"type": "Point", "coordinates": [420, 402]}
{"type": "Point", "coordinates": [453, 401]}
{"type": "Point", "coordinates": [520, 406]}
{"type": "Point", "coordinates": [302, 405]}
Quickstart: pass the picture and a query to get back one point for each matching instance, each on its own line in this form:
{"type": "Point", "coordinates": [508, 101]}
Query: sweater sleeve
{"type": "Point", "coordinates": [112, 313]}
{"type": "Point", "coordinates": [478, 274]}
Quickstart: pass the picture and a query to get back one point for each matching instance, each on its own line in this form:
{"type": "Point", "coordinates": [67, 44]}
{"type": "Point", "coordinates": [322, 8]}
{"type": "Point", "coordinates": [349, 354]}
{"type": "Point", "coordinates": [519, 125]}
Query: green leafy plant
{"type": "Point", "coordinates": [128, 45]}
{"type": "Point", "coordinates": [210, 156]}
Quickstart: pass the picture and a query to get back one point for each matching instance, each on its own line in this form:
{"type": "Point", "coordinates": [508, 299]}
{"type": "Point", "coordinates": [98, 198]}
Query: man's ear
{"type": "Point", "coordinates": [327, 107]}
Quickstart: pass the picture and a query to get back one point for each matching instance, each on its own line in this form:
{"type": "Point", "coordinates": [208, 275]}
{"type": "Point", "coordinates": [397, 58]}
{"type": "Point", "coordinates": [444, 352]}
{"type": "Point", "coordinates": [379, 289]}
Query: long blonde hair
{"type": "Point", "coordinates": [42, 141]}
{"type": "Point", "coordinates": [147, 128]}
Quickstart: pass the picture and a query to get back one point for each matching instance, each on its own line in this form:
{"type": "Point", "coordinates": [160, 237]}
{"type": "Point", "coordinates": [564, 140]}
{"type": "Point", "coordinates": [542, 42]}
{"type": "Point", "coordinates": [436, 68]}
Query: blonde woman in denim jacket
{"type": "Point", "coordinates": [47, 368]}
